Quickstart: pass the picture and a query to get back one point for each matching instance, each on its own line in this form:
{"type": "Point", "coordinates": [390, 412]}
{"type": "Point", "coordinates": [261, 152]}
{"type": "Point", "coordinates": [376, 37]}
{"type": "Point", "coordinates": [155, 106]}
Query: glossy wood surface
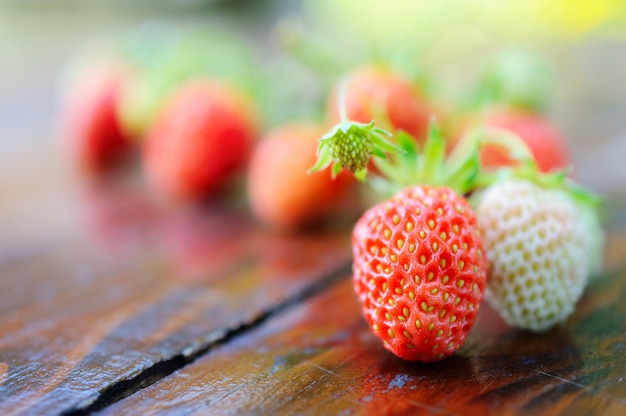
{"type": "Point", "coordinates": [320, 358]}
{"type": "Point", "coordinates": [139, 294]}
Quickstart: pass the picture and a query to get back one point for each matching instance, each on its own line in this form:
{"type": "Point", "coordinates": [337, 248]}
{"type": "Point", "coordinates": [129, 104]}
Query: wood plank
{"type": "Point", "coordinates": [320, 358]}
{"type": "Point", "coordinates": [112, 308]}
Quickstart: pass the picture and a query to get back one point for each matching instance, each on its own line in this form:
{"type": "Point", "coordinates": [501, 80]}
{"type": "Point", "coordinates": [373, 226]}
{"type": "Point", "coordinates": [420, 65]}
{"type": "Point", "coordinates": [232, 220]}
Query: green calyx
{"type": "Point", "coordinates": [351, 146]}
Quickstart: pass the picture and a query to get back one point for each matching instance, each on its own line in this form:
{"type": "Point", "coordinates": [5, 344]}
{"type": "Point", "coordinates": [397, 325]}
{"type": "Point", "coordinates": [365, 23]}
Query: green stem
{"type": "Point", "coordinates": [341, 100]}
{"type": "Point", "coordinates": [431, 168]}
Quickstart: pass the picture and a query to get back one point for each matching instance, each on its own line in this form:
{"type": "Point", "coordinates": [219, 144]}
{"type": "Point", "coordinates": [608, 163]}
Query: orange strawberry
{"type": "Point", "coordinates": [378, 93]}
{"type": "Point", "coordinates": [281, 192]}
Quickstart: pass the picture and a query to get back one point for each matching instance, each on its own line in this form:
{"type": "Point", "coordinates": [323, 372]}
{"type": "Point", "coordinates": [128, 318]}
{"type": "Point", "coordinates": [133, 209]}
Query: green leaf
{"type": "Point", "coordinates": [581, 194]}
{"type": "Point", "coordinates": [384, 145]}
{"type": "Point", "coordinates": [431, 169]}
{"type": "Point", "coordinates": [324, 158]}
{"type": "Point", "coordinates": [379, 153]}
{"type": "Point", "coordinates": [407, 143]}
{"type": "Point", "coordinates": [361, 175]}
{"type": "Point", "coordinates": [463, 176]}
{"type": "Point", "coordinates": [336, 169]}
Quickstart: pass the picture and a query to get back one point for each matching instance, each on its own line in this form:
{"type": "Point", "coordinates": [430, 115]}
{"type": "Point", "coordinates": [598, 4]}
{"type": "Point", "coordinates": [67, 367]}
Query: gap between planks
{"type": "Point", "coordinates": [124, 388]}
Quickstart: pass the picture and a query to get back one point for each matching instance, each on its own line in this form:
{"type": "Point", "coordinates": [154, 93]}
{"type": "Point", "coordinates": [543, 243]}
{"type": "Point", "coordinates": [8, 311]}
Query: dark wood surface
{"type": "Point", "coordinates": [320, 358]}
{"type": "Point", "coordinates": [138, 294]}
{"type": "Point", "coordinates": [112, 303]}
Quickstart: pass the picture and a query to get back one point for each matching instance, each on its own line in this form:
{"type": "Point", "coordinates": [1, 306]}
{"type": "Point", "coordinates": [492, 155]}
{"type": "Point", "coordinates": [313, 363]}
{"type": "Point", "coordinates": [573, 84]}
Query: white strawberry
{"type": "Point", "coordinates": [538, 250]}
{"type": "Point", "coordinates": [590, 219]}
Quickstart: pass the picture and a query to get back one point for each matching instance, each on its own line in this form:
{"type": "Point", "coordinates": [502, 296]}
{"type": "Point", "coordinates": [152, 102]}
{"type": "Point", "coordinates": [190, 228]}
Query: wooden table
{"type": "Point", "coordinates": [112, 304]}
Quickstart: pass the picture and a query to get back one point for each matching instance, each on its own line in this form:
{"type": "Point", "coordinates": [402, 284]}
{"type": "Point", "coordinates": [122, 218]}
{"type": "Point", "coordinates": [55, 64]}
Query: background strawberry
{"type": "Point", "coordinates": [202, 136]}
{"type": "Point", "coordinates": [378, 93]}
{"type": "Point", "coordinates": [88, 115]}
{"type": "Point", "coordinates": [539, 252]}
{"type": "Point", "coordinates": [165, 57]}
{"type": "Point", "coordinates": [547, 145]}
{"type": "Point", "coordinates": [420, 271]}
{"type": "Point", "coordinates": [281, 192]}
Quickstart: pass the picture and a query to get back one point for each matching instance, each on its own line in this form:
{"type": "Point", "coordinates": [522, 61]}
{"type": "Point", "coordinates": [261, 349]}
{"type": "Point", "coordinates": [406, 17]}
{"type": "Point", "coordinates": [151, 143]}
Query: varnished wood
{"type": "Point", "coordinates": [141, 292]}
{"type": "Point", "coordinates": [320, 358]}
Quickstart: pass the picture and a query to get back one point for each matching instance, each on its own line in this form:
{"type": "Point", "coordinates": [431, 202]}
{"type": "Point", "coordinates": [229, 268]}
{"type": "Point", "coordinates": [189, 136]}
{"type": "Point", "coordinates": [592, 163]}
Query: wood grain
{"type": "Point", "coordinates": [140, 292]}
{"type": "Point", "coordinates": [320, 358]}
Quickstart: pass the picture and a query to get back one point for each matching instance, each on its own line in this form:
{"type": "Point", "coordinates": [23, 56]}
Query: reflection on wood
{"type": "Point", "coordinates": [81, 325]}
{"type": "Point", "coordinates": [320, 358]}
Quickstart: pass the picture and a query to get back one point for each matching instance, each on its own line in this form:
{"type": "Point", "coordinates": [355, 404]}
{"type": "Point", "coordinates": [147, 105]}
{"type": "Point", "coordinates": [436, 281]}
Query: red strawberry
{"type": "Point", "coordinates": [420, 271]}
{"type": "Point", "coordinates": [418, 260]}
{"type": "Point", "coordinates": [202, 136]}
{"type": "Point", "coordinates": [281, 192]}
{"type": "Point", "coordinates": [545, 142]}
{"type": "Point", "coordinates": [377, 93]}
{"type": "Point", "coordinates": [88, 118]}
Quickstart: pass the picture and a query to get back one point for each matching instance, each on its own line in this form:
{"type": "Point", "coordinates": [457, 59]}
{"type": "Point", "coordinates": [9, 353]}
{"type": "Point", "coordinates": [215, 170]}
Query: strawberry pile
{"type": "Point", "coordinates": [492, 214]}
{"type": "Point", "coordinates": [195, 111]}
{"type": "Point", "coordinates": [470, 203]}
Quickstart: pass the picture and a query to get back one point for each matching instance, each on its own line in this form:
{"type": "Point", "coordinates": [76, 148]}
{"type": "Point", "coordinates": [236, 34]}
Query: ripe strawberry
{"type": "Point", "coordinates": [418, 260]}
{"type": "Point", "coordinates": [88, 115]}
{"type": "Point", "coordinates": [539, 252]}
{"type": "Point", "coordinates": [202, 136]}
{"type": "Point", "coordinates": [281, 192]}
{"type": "Point", "coordinates": [547, 145]}
{"type": "Point", "coordinates": [378, 93]}
{"type": "Point", "coordinates": [165, 57]}
{"type": "Point", "coordinates": [420, 271]}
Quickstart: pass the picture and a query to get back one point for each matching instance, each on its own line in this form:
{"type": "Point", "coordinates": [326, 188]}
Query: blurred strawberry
{"type": "Point", "coordinates": [167, 57]}
{"type": "Point", "coordinates": [88, 115]}
{"type": "Point", "coordinates": [543, 139]}
{"type": "Point", "coordinates": [377, 93]}
{"type": "Point", "coordinates": [282, 194]}
{"type": "Point", "coordinates": [199, 140]}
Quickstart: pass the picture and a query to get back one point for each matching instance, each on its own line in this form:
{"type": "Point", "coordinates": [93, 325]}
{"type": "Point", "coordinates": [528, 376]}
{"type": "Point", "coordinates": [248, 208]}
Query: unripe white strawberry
{"type": "Point", "coordinates": [589, 218]}
{"type": "Point", "coordinates": [538, 250]}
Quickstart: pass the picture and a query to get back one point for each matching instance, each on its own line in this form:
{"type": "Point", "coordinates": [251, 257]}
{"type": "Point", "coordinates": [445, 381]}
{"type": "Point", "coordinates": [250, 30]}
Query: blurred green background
{"type": "Point", "coordinates": [584, 40]}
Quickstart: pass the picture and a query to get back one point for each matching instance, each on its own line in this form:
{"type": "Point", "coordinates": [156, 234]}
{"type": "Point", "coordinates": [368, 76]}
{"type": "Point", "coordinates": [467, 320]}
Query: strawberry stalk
{"type": "Point", "coordinates": [527, 167]}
